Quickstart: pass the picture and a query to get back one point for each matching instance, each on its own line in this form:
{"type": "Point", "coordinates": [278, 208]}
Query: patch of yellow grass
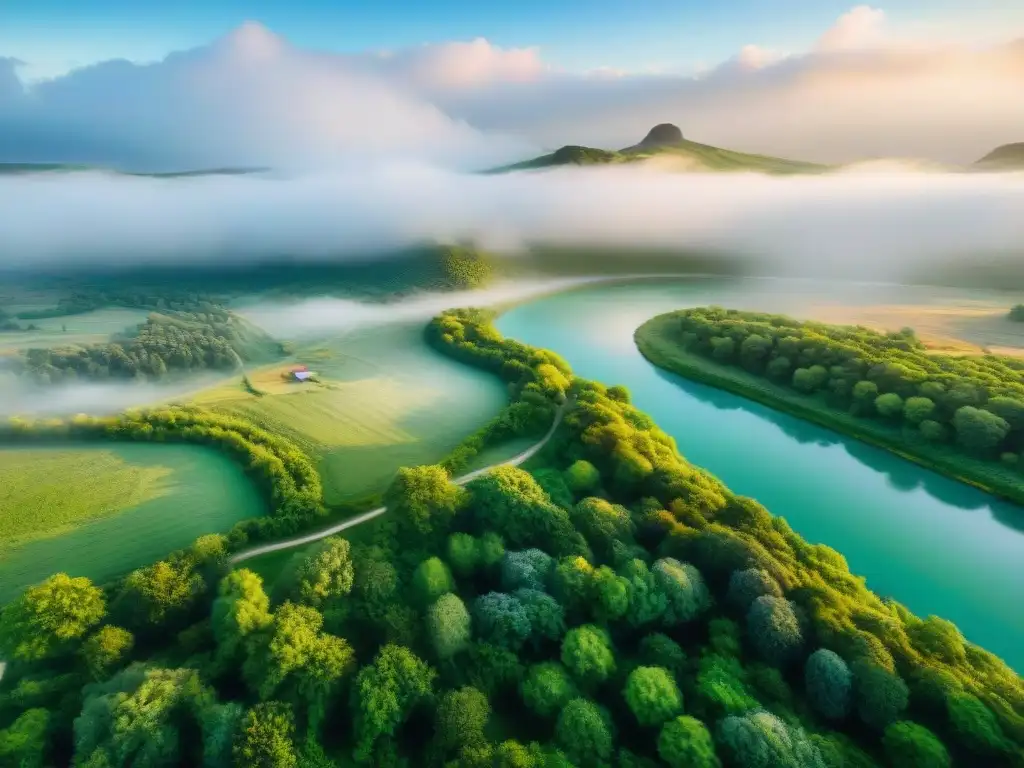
{"type": "Point", "coordinates": [44, 493]}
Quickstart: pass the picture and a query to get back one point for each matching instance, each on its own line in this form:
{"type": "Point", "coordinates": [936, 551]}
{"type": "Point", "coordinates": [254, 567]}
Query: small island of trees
{"type": "Point", "coordinates": [960, 415]}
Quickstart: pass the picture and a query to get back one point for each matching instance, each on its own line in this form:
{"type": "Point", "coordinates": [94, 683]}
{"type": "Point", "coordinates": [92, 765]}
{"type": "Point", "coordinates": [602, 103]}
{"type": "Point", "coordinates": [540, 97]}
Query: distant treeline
{"type": "Point", "coordinates": [79, 303]}
{"type": "Point", "coordinates": [177, 341]}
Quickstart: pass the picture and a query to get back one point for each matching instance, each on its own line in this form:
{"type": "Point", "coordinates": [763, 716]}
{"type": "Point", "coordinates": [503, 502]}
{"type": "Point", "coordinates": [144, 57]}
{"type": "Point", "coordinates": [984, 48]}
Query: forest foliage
{"type": "Point", "coordinates": [631, 611]}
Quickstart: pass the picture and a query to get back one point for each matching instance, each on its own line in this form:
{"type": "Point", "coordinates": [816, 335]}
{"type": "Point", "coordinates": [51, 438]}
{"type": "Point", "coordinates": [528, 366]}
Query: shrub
{"type": "Point", "coordinates": [774, 629]}
{"type": "Point", "coordinates": [762, 740]}
{"type": "Point", "coordinates": [881, 695]}
{"type": "Point", "coordinates": [746, 586]}
{"type": "Point", "coordinates": [914, 746]}
{"type": "Point", "coordinates": [829, 684]}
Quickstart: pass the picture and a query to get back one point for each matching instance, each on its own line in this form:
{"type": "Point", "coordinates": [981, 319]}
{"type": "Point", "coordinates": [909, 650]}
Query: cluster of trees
{"type": "Point", "coordinates": [283, 473]}
{"type": "Point", "coordinates": [1016, 313]}
{"type": "Point", "coordinates": [180, 342]}
{"type": "Point", "coordinates": [465, 267]}
{"type": "Point", "coordinates": [976, 403]}
{"type": "Point", "coordinates": [614, 606]}
{"type": "Point", "coordinates": [537, 379]}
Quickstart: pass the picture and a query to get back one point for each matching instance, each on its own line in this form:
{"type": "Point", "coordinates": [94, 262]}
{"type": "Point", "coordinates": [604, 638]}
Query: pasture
{"type": "Point", "coordinates": [93, 327]}
{"type": "Point", "coordinates": [383, 400]}
{"type": "Point", "coordinates": [101, 509]}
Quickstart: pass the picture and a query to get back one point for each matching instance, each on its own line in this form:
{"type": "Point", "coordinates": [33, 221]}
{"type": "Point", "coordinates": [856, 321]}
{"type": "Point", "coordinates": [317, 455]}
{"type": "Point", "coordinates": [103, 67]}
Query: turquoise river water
{"type": "Point", "coordinates": [936, 545]}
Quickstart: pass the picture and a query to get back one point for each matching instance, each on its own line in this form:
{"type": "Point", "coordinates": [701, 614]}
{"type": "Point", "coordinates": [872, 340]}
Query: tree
{"type": "Point", "coordinates": [978, 430]}
{"type": "Point", "coordinates": [918, 409]}
{"type": "Point", "coordinates": [762, 740]}
{"type": "Point", "coordinates": [881, 696]}
{"type": "Point", "coordinates": [527, 569]}
{"type": "Point", "coordinates": [583, 731]}
{"type": "Point", "coordinates": [723, 348]}
{"type": "Point", "coordinates": [774, 629]}
{"type": "Point", "coordinates": [647, 601]}
{"type": "Point", "coordinates": [684, 588]}
{"type": "Point", "coordinates": [510, 501]}
{"type": "Point", "coordinates": [48, 617]}
{"type": "Point", "coordinates": [547, 618]}
{"type": "Point", "coordinates": [754, 350]}
{"type": "Point", "coordinates": [658, 650]}
{"type": "Point", "coordinates": [430, 580]}
{"type": "Point", "coordinates": [829, 684]}
{"type": "Point", "coordinates": [1017, 313]}
{"type": "Point", "coordinates": [810, 379]}
{"type": "Point", "coordinates": [684, 742]}
{"type": "Point", "coordinates": [975, 725]}
{"type": "Point", "coordinates": [424, 499]}
{"type": "Point", "coordinates": [602, 524]}
{"type": "Point", "coordinates": [502, 620]}
{"type": "Point", "coordinates": [912, 745]}
{"type": "Point", "coordinates": [327, 573]}
{"type": "Point", "coordinates": [889, 405]}
{"type": "Point", "coordinates": [611, 595]}
{"type": "Point", "coordinates": [554, 485]}
{"type": "Point", "coordinates": [582, 477]}
{"type": "Point", "coordinates": [587, 653]}
{"type": "Point", "coordinates": [384, 694]}
{"type": "Point", "coordinates": [748, 585]}
{"type": "Point", "coordinates": [221, 724]}
{"type": "Point", "coordinates": [448, 625]}
{"type": "Point", "coordinates": [24, 743]}
{"type": "Point", "coordinates": [547, 688]}
{"type": "Point", "coordinates": [162, 588]}
{"type": "Point", "coordinates": [939, 638]}
{"type": "Point", "coordinates": [294, 647]}
{"type": "Point", "coordinates": [463, 555]}
{"type": "Point", "coordinates": [572, 584]}
{"type": "Point", "coordinates": [491, 549]}
{"type": "Point", "coordinates": [652, 695]}
{"type": "Point", "coordinates": [105, 649]}
{"type": "Point", "coordinates": [932, 431]}
{"type": "Point", "coordinates": [461, 717]}
{"type": "Point", "coordinates": [493, 670]}
{"type": "Point", "coordinates": [266, 737]}
{"type": "Point", "coordinates": [1008, 408]}
{"type": "Point", "coordinates": [241, 608]}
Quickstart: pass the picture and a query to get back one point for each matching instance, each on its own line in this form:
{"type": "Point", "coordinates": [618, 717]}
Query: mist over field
{"type": "Point", "coordinates": [880, 222]}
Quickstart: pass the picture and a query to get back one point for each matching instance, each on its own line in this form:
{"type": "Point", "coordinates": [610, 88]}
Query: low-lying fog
{"type": "Point", "coordinates": [871, 222]}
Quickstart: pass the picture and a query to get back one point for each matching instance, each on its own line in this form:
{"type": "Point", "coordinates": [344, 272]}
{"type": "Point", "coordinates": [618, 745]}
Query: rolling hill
{"type": "Point", "coordinates": [665, 142]}
{"type": "Point", "coordinates": [1009, 157]}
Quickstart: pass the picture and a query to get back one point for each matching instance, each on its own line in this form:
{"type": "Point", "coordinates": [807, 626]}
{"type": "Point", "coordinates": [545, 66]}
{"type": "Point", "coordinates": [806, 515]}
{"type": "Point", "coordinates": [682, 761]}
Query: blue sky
{"type": "Point", "coordinates": [53, 36]}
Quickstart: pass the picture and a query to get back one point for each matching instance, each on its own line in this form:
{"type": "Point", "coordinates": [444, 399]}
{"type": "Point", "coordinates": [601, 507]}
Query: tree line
{"type": "Point", "coordinates": [177, 342]}
{"type": "Point", "coordinates": [613, 606]}
{"type": "Point", "coordinates": [972, 404]}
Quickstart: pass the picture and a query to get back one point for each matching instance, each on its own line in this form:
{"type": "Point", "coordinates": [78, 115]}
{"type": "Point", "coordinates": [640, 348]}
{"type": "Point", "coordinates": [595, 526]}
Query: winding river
{"type": "Point", "coordinates": [936, 545]}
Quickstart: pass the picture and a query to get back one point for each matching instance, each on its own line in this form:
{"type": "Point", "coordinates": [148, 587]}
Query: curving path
{"type": "Point", "coordinates": [298, 541]}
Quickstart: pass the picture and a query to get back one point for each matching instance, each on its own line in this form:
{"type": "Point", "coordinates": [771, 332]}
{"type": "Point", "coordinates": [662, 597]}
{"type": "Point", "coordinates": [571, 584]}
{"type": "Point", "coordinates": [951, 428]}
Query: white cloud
{"type": "Point", "coordinates": [253, 99]}
{"type": "Point", "coordinates": [248, 99]}
{"type": "Point", "coordinates": [861, 27]}
{"type": "Point", "coordinates": [881, 224]}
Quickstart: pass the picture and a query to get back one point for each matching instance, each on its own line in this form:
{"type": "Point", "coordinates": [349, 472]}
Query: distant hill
{"type": "Point", "coordinates": [666, 142]}
{"type": "Point", "coordinates": [1009, 157]}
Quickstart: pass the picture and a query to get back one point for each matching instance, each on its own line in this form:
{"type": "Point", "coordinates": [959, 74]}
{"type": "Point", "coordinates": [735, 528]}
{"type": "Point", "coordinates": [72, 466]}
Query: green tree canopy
{"type": "Point", "coordinates": [684, 742]}
{"type": "Point", "coordinates": [914, 746]}
{"type": "Point", "coordinates": [547, 688]}
{"type": "Point", "coordinates": [583, 731]}
{"type": "Point", "coordinates": [652, 695]}
{"type": "Point", "coordinates": [46, 618]}
{"type": "Point", "coordinates": [587, 653]}
{"type": "Point", "coordinates": [448, 625]}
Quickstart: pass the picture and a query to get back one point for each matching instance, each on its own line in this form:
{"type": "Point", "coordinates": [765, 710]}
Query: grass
{"type": "Point", "coordinates": [684, 155]}
{"type": "Point", "coordinates": [173, 494]}
{"type": "Point", "coordinates": [33, 506]}
{"type": "Point", "coordinates": [383, 400]}
{"type": "Point", "coordinates": [657, 343]}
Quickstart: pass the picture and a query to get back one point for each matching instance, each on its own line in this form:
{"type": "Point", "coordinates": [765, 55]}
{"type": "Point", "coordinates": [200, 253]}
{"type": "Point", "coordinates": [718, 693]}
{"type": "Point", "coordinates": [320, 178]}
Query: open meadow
{"type": "Point", "coordinates": [93, 327]}
{"type": "Point", "coordinates": [382, 400]}
{"type": "Point", "coordinates": [98, 510]}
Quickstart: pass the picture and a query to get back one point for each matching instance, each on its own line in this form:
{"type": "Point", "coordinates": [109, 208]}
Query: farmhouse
{"type": "Point", "coordinates": [301, 374]}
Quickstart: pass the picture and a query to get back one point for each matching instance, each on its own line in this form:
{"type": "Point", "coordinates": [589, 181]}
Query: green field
{"type": "Point", "coordinates": [384, 400]}
{"type": "Point", "coordinates": [98, 510]}
{"type": "Point", "coordinates": [33, 507]}
{"type": "Point", "coordinates": [93, 327]}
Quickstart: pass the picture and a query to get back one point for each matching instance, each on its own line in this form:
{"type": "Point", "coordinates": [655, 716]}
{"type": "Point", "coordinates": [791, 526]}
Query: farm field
{"type": "Point", "coordinates": [383, 400]}
{"type": "Point", "coordinates": [174, 493]}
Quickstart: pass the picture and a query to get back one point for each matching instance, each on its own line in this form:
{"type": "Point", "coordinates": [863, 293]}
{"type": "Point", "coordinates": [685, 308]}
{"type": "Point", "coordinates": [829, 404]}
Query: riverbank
{"type": "Point", "coordinates": [658, 344]}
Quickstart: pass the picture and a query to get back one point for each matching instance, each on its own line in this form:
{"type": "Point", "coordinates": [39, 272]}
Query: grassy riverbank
{"type": "Point", "coordinates": [658, 341]}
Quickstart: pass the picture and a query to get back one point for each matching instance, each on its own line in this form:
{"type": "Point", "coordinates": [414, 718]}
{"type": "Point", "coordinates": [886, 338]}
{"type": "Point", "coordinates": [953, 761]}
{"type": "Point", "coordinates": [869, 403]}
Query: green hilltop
{"type": "Point", "coordinates": [1009, 157]}
{"type": "Point", "coordinates": [667, 141]}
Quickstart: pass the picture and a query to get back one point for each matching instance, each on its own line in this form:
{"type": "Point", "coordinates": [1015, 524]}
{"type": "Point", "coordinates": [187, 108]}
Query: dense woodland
{"type": "Point", "coordinates": [972, 403]}
{"type": "Point", "coordinates": [177, 342]}
{"type": "Point", "coordinates": [614, 606]}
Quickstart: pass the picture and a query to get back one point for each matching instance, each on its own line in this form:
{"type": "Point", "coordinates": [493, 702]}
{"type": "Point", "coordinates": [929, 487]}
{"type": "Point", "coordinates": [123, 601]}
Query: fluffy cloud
{"type": "Point", "coordinates": [252, 99]}
{"type": "Point", "coordinates": [861, 27]}
{"type": "Point", "coordinates": [248, 99]}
